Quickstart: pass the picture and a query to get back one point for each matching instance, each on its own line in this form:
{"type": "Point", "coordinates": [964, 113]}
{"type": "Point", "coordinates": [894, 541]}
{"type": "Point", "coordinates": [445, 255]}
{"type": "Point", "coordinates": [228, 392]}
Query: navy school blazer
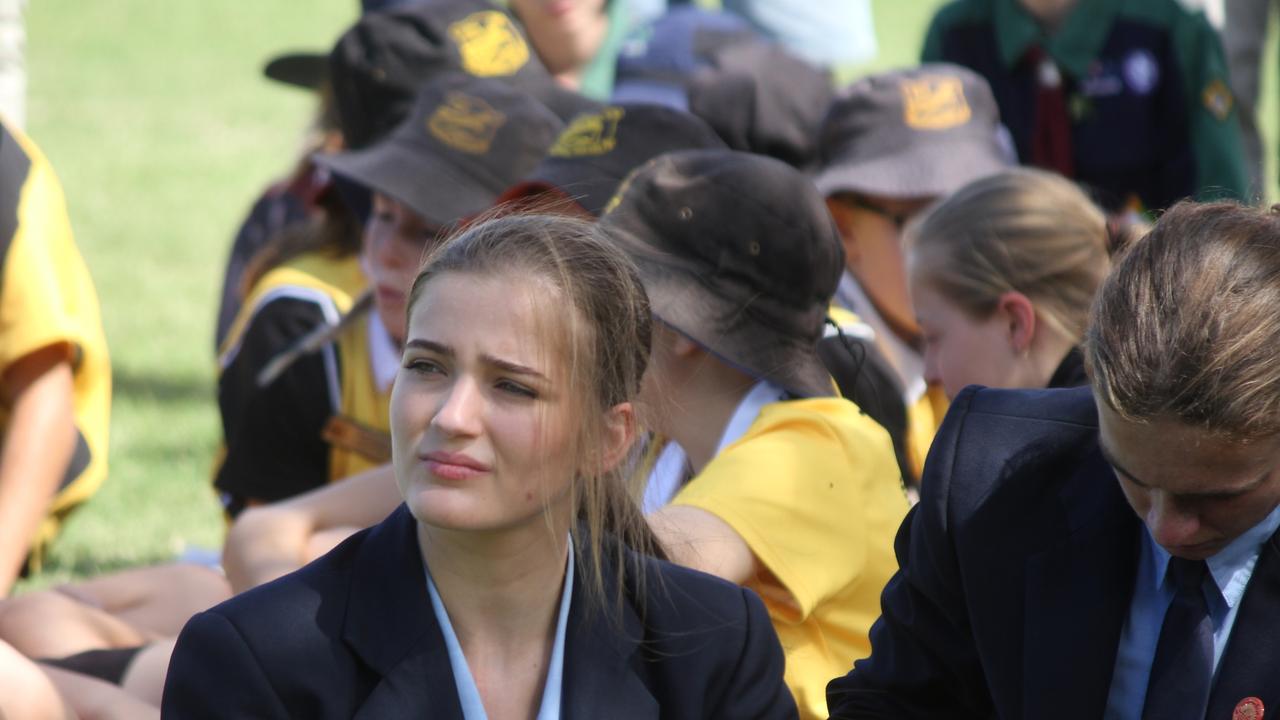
{"type": "Point", "coordinates": [352, 635]}
{"type": "Point", "coordinates": [1016, 573]}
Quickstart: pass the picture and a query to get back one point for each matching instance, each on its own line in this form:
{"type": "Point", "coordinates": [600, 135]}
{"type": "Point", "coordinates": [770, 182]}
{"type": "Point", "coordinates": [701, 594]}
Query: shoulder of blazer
{"type": "Point", "coordinates": [314, 591]}
{"type": "Point", "coordinates": [991, 439]}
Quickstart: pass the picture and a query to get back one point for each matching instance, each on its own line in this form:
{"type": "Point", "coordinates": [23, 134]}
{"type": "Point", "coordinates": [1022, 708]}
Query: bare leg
{"type": "Point", "coordinates": [26, 693]}
{"type": "Point", "coordinates": [92, 698]}
{"type": "Point", "coordinates": [124, 609]}
{"type": "Point", "coordinates": [145, 676]}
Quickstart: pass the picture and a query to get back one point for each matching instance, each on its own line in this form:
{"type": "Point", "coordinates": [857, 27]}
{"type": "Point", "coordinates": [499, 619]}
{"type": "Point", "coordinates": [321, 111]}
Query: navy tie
{"type": "Point", "coordinates": [1183, 666]}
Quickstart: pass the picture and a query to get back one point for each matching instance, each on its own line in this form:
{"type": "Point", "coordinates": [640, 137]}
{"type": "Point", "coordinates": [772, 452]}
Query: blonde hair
{"type": "Point", "coordinates": [1022, 230]}
{"type": "Point", "coordinates": [607, 334]}
{"type": "Point", "coordinates": [1187, 325]}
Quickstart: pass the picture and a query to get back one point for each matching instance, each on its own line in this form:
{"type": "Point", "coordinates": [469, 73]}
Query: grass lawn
{"type": "Point", "coordinates": [157, 119]}
{"type": "Point", "coordinates": [163, 131]}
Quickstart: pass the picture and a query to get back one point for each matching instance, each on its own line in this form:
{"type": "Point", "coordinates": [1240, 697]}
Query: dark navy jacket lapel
{"type": "Point", "coordinates": [1250, 666]}
{"type": "Point", "coordinates": [602, 657]}
{"type": "Point", "coordinates": [1077, 598]}
{"type": "Point", "coordinates": [391, 626]}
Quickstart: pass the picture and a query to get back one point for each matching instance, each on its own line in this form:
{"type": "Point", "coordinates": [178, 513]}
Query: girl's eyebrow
{"type": "Point", "coordinates": [446, 351]}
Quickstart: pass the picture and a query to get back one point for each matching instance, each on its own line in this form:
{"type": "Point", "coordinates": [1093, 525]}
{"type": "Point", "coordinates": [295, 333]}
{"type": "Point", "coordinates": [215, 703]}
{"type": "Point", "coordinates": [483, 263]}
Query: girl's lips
{"type": "Point", "coordinates": [454, 466]}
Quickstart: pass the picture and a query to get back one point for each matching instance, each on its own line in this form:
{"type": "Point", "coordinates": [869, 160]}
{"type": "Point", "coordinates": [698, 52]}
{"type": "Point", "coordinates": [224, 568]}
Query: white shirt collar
{"type": "Point", "coordinates": [671, 468]}
{"type": "Point", "coordinates": [384, 354]}
{"type": "Point", "coordinates": [468, 693]}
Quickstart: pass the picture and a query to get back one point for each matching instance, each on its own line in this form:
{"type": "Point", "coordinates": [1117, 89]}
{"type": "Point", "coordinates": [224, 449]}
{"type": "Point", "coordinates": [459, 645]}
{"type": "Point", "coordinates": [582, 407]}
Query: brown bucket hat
{"type": "Point", "coordinates": [739, 253]}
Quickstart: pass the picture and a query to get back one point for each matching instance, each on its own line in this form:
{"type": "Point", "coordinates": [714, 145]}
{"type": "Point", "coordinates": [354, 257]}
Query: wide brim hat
{"type": "Point", "coordinates": [381, 62]}
{"type": "Point", "coordinates": [739, 253]}
{"type": "Point", "coordinates": [465, 141]}
{"type": "Point", "coordinates": [598, 149]}
{"type": "Point", "coordinates": [757, 95]}
{"type": "Point", "coordinates": [306, 70]}
{"type": "Point", "coordinates": [923, 132]}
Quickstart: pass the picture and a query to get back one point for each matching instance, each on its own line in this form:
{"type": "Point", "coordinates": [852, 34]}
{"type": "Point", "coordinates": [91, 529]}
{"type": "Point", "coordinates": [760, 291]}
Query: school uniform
{"type": "Point", "coordinates": [1029, 588]}
{"type": "Point", "coordinates": [1150, 114]}
{"type": "Point", "coordinates": [354, 635]}
{"type": "Point", "coordinates": [325, 415]}
{"type": "Point", "coordinates": [47, 299]}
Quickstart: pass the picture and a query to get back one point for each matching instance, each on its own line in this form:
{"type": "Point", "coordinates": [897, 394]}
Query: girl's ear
{"type": "Point", "coordinates": [620, 428]}
{"type": "Point", "coordinates": [1020, 314]}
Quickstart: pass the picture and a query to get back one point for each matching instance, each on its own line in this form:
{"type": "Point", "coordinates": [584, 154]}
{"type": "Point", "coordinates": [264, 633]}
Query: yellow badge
{"type": "Point", "coordinates": [934, 102]}
{"type": "Point", "coordinates": [490, 44]}
{"type": "Point", "coordinates": [465, 122]}
{"type": "Point", "coordinates": [589, 135]}
{"type": "Point", "coordinates": [1218, 99]}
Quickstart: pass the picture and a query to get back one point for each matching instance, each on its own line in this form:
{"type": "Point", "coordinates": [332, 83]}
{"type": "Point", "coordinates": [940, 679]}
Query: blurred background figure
{"type": "Point", "coordinates": [1003, 273]}
{"type": "Point", "coordinates": [892, 144]}
{"type": "Point", "coordinates": [1244, 38]}
{"type": "Point", "coordinates": [758, 95]}
{"type": "Point", "coordinates": [824, 33]}
{"type": "Point", "coordinates": [55, 375]}
{"type": "Point", "coordinates": [1131, 99]}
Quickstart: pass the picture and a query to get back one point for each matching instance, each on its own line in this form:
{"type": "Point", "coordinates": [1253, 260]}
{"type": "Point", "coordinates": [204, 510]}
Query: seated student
{"type": "Point", "coordinates": [1108, 551]}
{"type": "Point", "coordinates": [519, 578]}
{"type": "Point", "coordinates": [55, 376]}
{"type": "Point", "coordinates": [1129, 98]}
{"type": "Point", "coordinates": [323, 416]}
{"type": "Point", "coordinates": [1002, 276]}
{"type": "Point", "coordinates": [892, 144]}
{"type": "Point", "coordinates": [579, 175]}
{"type": "Point", "coordinates": [786, 488]}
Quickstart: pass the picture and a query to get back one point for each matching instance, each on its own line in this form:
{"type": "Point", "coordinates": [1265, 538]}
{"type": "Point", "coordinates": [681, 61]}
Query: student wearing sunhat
{"type": "Point", "coordinates": [318, 411]}
{"type": "Point", "coordinates": [785, 487]}
{"type": "Point", "coordinates": [891, 145]}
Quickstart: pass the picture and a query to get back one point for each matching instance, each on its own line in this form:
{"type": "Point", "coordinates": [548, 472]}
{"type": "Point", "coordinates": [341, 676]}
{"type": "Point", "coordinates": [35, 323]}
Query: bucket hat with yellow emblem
{"type": "Point", "coordinates": [923, 132]}
{"type": "Point", "coordinates": [738, 253]}
{"type": "Point", "coordinates": [597, 150]}
{"type": "Point", "coordinates": [381, 62]}
{"type": "Point", "coordinates": [465, 141]}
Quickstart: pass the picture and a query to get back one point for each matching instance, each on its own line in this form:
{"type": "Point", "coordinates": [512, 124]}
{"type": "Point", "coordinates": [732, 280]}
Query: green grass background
{"type": "Point", "coordinates": [163, 131]}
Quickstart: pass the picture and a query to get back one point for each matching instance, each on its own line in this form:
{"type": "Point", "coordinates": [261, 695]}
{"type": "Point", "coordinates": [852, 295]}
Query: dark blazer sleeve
{"type": "Point", "coordinates": [214, 674]}
{"type": "Point", "coordinates": [756, 688]}
{"type": "Point", "coordinates": [924, 662]}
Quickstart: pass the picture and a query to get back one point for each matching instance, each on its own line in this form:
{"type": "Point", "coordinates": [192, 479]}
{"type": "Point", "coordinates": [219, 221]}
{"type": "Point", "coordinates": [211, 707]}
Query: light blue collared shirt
{"type": "Point", "coordinates": [468, 693]}
{"type": "Point", "coordinates": [1231, 569]}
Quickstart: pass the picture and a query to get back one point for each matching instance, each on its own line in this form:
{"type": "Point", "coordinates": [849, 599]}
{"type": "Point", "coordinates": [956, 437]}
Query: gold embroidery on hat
{"type": "Point", "coordinates": [623, 186]}
{"type": "Point", "coordinates": [589, 135]}
{"type": "Point", "coordinates": [466, 123]}
{"type": "Point", "coordinates": [1218, 99]}
{"type": "Point", "coordinates": [934, 102]}
{"type": "Point", "coordinates": [490, 44]}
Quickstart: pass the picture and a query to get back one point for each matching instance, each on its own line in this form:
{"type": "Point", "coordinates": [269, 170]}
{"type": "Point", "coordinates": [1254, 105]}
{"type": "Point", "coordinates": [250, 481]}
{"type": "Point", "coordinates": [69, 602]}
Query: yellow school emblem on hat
{"type": "Point", "coordinates": [466, 123]}
{"type": "Point", "coordinates": [934, 102]}
{"type": "Point", "coordinates": [490, 44]}
{"type": "Point", "coordinates": [589, 135]}
{"type": "Point", "coordinates": [1218, 99]}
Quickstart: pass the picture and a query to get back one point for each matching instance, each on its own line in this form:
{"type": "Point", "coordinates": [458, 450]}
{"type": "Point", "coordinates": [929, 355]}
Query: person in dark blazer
{"type": "Point", "coordinates": [1107, 551]}
{"type": "Point", "coordinates": [519, 578]}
